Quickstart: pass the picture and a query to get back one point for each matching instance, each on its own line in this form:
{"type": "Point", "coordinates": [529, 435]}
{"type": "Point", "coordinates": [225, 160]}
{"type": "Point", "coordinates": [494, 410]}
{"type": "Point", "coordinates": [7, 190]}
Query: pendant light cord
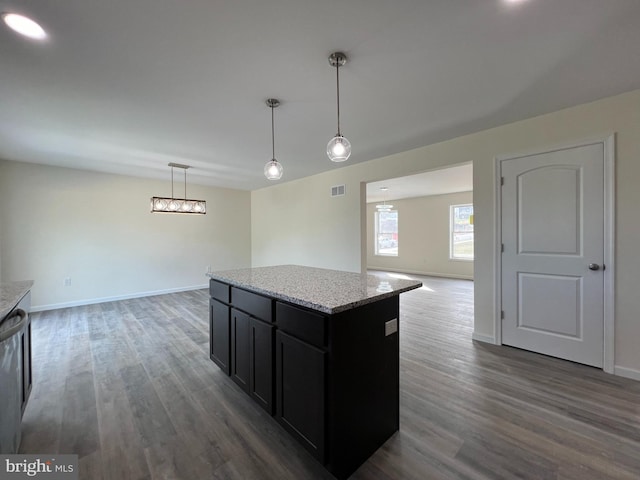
{"type": "Point", "coordinates": [185, 183]}
{"type": "Point", "coordinates": [338, 93]}
{"type": "Point", "coordinates": [273, 138]}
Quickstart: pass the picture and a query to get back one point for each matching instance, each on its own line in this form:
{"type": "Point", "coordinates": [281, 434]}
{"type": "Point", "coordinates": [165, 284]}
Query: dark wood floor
{"type": "Point", "coordinates": [128, 386]}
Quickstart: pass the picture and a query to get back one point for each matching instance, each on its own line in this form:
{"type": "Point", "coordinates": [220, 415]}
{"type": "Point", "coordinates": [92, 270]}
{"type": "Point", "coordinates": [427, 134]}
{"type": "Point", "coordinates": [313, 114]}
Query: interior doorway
{"type": "Point", "coordinates": [407, 223]}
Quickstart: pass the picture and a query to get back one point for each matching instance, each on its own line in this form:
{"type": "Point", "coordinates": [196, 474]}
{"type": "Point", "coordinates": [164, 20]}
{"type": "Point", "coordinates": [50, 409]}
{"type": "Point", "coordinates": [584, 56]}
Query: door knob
{"type": "Point", "coordinates": [594, 266]}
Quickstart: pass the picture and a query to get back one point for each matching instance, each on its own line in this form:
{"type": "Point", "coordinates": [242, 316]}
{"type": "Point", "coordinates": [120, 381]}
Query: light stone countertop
{"type": "Point", "coordinates": [327, 291]}
{"type": "Point", "coordinates": [11, 293]}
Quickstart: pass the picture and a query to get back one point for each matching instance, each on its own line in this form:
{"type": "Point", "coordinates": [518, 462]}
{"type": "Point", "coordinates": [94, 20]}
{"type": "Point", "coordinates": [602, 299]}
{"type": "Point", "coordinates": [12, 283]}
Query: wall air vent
{"type": "Point", "coordinates": [337, 191]}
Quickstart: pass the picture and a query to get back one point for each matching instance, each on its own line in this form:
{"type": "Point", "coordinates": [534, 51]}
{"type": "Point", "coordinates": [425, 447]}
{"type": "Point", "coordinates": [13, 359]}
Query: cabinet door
{"type": "Point", "coordinates": [219, 339]}
{"type": "Point", "coordinates": [300, 392]}
{"type": "Point", "coordinates": [240, 348]}
{"type": "Point", "coordinates": [261, 362]}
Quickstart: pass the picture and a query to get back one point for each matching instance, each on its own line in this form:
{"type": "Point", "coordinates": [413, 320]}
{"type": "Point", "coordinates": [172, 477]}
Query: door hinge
{"type": "Point", "coordinates": [501, 180]}
{"type": "Point", "coordinates": [502, 247]}
{"type": "Point", "coordinates": [502, 314]}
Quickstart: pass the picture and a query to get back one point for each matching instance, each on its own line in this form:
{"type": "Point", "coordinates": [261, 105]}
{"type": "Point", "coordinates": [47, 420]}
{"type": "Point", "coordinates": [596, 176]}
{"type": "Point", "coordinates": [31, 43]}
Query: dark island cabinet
{"type": "Point", "coordinates": [330, 380]}
{"type": "Point", "coordinates": [252, 357]}
{"type": "Point", "coordinates": [261, 338]}
{"type": "Point", "coordinates": [300, 387]}
{"type": "Point", "coordinates": [252, 337]}
{"type": "Point", "coordinates": [219, 334]}
{"type": "Point", "coordinates": [240, 348]}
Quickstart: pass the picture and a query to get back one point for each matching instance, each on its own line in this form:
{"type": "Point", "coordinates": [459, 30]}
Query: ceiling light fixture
{"type": "Point", "coordinates": [24, 26]}
{"type": "Point", "coordinates": [384, 206]}
{"type": "Point", "coordinates": [273, 168]}
{"type": "Point", "coordinates": [178, 205]}
{"type": "Point", "coordinates": [338, 148]}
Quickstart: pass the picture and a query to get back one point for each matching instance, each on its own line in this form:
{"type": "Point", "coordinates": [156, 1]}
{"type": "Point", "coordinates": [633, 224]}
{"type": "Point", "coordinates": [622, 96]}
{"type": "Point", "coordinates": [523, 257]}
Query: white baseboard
{"type": "Point", "coordinates": [483, 338]}
{"type": "Point", "coordinates": [627, 372]}
{"type": "Point", "coordinates": [424, 274]}
{"type": "Point", "coordinates": [91, 301]}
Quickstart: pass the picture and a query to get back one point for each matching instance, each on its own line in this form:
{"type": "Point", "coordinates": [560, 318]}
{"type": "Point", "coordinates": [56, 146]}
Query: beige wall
{"type": "Point", "coordinates": [423, 233]}
{"type": "Point", "coordinates": [306, 226]}
{"type": "Point", "coordinates": [97, 229]}
{"type": "Point", "coordinates": [298, 222]}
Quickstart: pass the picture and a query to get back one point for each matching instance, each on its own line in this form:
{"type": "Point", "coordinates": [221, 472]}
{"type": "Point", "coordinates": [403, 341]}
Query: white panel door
{"type": "Point", "coordinates": [552, 263]}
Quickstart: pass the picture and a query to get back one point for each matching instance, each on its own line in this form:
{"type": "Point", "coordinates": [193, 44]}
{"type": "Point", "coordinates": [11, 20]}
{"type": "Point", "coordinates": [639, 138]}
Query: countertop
{"type": "Point", "coordinates": [327, 291]}
{"type": "Point", "coordinates": [11, 293]}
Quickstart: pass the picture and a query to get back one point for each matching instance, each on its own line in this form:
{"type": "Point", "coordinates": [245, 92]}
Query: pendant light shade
{"type": "Point", "coordinates": [178, 205]}
{"type": "Point", "coordinates": [384, 206]}
{"type": "Point", "coordinates": [338, 148]}
{"type": "Point", "coordinates": [273, 169]}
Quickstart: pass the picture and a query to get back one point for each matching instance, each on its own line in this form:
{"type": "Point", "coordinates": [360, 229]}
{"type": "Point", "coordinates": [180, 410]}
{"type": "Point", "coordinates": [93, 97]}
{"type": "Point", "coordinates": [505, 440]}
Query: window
{"type": "Point", "coordinates": [386, 235]}
{"type": "Point", "coordinates": [461, 232]}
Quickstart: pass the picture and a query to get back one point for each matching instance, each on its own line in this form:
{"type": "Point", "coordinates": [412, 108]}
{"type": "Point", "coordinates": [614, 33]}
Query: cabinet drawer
{"type": "Point", "coordinates": [219, 290]}
{"type": "Point", "coordinates": [252, 303]}
{"type": "Point", "coordinates": [307, 326]}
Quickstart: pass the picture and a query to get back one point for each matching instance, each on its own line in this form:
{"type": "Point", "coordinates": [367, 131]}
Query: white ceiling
{"type": "Point", "coordinates": [436, 182]}
{"type": "Point", "coordinates": [128, 86]}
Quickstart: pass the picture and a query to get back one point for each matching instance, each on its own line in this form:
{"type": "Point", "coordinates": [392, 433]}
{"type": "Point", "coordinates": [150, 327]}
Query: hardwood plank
{"type": "Point", "coordinates": [79, 430]}
{"type": "Point", "coordinates": [121, 443]}
{"type": "Point", "coordinates": [149, 415]}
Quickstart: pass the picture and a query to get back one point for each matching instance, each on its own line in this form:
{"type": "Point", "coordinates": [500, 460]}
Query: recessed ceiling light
{"type": "Point", "coordinates": [24, 26]}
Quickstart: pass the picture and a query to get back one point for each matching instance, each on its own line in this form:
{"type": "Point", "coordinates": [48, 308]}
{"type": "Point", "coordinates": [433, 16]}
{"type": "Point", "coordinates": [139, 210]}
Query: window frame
{"type": "Point", "coordinates": [452, 232]}
{"type": "Point", "coordinates": [376, 234]}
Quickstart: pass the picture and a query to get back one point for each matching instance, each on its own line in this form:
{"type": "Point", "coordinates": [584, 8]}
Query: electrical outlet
{"type": "Point", "coordinates": [208, 269]}
{"type": "Point", "coordinates": [67, 282]}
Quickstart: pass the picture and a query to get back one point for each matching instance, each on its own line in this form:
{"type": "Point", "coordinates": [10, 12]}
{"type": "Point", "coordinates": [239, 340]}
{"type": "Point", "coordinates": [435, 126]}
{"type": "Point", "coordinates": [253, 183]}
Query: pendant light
{"type": "Point", "coordinates": [178, 205]}
{"type": "Point", "coordinates": [338, 148]}
{"type": "Point", "coordinates": [273, 168]}
{"type": "Point", "coordinates": [384, 206]}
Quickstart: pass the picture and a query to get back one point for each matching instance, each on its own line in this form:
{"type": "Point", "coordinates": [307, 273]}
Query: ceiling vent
{"type": "Point", "coordinates": [337, 191]}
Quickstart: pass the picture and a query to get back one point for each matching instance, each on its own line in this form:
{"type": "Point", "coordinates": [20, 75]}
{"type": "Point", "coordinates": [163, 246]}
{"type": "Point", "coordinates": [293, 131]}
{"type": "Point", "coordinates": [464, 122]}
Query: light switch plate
{"type": "Point", "coordinates": [390, 327]}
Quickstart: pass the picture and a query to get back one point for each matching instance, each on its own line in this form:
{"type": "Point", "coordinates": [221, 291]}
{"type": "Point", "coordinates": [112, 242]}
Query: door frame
{"type": "Point", "coordinates": [608, 142]}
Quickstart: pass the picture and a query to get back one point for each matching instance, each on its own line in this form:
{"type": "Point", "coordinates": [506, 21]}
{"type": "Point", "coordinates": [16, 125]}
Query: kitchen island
{"type": "Point", "coordinates": [318, 349]}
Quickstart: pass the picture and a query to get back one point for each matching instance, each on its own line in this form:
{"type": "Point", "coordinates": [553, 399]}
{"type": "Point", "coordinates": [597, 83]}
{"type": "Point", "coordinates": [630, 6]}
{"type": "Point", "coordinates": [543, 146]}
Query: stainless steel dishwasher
{"type": "Point", "coordinates": [12, 331]}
